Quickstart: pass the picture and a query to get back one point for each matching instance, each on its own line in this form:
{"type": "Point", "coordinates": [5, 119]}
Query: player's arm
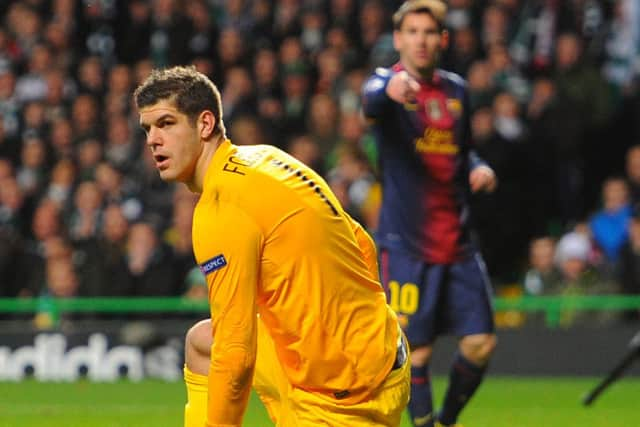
{"type": "Point", "coordinates": [367, 246]}
{"type": "Point", "coordinates": [375, 99]}
{"type": "Point", "coordinates": [232, 264]}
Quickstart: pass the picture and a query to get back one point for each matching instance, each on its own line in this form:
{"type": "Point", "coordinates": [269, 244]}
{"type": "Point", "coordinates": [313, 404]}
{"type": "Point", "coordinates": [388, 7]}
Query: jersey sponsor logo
{"type": "Point", "coordinates": [437, 141]}
{"type": "Point", "coordinates": [215, 263]}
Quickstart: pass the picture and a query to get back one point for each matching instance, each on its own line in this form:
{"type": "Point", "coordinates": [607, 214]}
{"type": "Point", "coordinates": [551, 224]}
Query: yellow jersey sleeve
{"type": "Point", "coordinates": [231, 259]}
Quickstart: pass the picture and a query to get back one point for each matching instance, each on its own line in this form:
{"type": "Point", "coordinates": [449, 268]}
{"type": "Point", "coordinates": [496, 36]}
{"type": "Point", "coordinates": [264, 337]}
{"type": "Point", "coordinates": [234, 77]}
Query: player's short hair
{"type": "Point", "coordinates": [436, 8]}
{"type": "Point", "coordinates": [191, 92]}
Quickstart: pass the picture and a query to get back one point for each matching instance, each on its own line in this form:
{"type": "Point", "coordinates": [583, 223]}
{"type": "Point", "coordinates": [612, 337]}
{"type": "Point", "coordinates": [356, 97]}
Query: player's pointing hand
{"type": "Point", "coordinates": [402, 87]}
{"type": "Point", "coordinates": [482, 178]}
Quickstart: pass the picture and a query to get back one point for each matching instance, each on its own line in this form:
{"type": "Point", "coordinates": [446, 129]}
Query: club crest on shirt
{"type": "Point", "coordinates": [215, 263]}
{"type": "Point", "coordinates": [432, 107]}
{"type": "Point", "coordinates": [455, 107]}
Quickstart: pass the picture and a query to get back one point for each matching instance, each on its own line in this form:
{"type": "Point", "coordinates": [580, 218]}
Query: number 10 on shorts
{"type": "Point", "coordinates": [403, 299]}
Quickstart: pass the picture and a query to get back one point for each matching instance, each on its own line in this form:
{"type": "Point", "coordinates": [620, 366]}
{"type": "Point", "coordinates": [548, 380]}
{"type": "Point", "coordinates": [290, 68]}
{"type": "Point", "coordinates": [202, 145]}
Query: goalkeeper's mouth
{"type": "Point", "coordinates": [161, 161]}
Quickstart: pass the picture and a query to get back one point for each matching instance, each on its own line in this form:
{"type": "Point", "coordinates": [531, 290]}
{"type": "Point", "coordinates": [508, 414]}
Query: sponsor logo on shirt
{"type": "Point", "coordinates": [438, 141]}
{"type": "Point", "coordinates": [215, 263]}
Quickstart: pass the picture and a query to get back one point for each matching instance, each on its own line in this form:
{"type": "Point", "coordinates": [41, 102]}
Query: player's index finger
{"type": "Point", "coordinates": [413, 84]}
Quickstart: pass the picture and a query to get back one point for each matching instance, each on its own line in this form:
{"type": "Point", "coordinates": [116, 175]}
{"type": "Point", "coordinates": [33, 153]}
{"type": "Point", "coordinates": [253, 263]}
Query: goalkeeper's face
{"type": "Point", "coordinates": [174, 141]}
{"type": "Point", "coordinates": [419, 40]}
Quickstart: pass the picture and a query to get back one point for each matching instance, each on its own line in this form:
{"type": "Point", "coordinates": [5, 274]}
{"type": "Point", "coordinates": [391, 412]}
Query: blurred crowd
{"type": "Point", "coordinates": [555, 107]}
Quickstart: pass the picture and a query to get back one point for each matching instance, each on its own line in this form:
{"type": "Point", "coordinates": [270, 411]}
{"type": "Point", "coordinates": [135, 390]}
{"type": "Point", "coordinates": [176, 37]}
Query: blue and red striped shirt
{"type": "Point", "coordinates": [425, 158]}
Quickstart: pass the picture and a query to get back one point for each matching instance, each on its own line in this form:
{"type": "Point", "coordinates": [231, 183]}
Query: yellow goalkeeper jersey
{"type": "Point", "coordinates": [272, 239]}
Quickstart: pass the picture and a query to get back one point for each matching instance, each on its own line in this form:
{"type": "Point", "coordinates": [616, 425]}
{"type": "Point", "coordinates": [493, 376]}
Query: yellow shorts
{"type": "Point", "coordinates": [292, 407]}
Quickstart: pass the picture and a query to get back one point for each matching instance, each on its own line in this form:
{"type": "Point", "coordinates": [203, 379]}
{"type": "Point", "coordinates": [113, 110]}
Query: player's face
{"type": "Point", "coordinates": [173, 139]}
{"type": "Point", "coordinates": [419, 41]}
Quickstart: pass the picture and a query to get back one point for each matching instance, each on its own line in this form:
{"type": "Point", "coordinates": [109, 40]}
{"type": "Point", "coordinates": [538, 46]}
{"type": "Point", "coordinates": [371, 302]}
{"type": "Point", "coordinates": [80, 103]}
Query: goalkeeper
{"type": "Point", "coordinates": [272, 239]}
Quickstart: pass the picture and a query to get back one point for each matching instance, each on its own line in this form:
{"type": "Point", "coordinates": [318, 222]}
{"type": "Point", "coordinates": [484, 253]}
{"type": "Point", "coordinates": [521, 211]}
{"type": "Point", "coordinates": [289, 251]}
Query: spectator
{"type": "Point", "coordinates": [85, 117]}
{"type": "Point", "coordinates": [481, 87]}
{"type": "Point", "coordinates": [238, 92]}
{"type": "Point", "coordinates": [121, 149]}
{"type": "Point", "coordinates": [609, 226]}
{"type": "Point", "coordinates": [61, 138]}
{"type": "Point", "coordinates": [155, 194]}
{"type": "Point", "coordinates": [543, 275]}
{"type": "Point", "coordinates": [306, 149]}
{"type": "Point", "coordinates": [31, 173]}
{"type": "Point", "coordinates": [583, 108]}
{"type": "Point", "coordinates": [578, 277]}
{"type": "Point", "coordinates": [203, 34]}
{"type": "Point", "coordinates": [322, 121]}
{"type": "Point", "coordinates": [117, 101]}
{"type": "Point", "coordinates": [133, 34]}
{"type": "Point", "coordinates": [57, 36]}
{"type": "Point", "coordinates": [60, 281]}
{"type": "Point", "coordinates": [148, 262]}
{"type": "Point", "coordinates": [505, 76]}
{"type": "Point", "coordinates": [295, 86]}
{"type": "Point", "coordinates": [265, 72]}
{"type": "Point", "coordinates": [55, 101]}
{"type": "Point", "coordinates": [86, 214]}
{"type": "Point", "coordinates": [330, 72]}
{"type": "Point", "coordinates": [118, 189]}
{"type": "Point", "coordinates": [231, 49]}
{"type": "Point", "coordinates": [572, 257]}
{"type": "Point", "coordinates": [313, 22]}
{"type": "Point", "coordinates": [91, 77]}
{"type": "Point", "coordinates": [32, 86]}
{"type": "Point", "coordinates": [169, 34]}
{"type": "Point", "coordinates": [89, 155]}
{"type": "Point", "coordinates": [499, 137]}
{"type": "Point", "coordinates": [45, 225]}
{"type": "Point", "coordinates": [246, 130]}
{"type": "Point", "coordinates": [12, 203]}
{"type": "Point", "coordinates": [102, 266]}
{"type": "Point", "coordinates": [285, 19]}
{"type": "Point", "coordinates": [61, 183]}
{"type": "Point", "coordinates": [373, 22]}
{"type": "Point", "coordinates": [178, 235]}
{"type": "Point", "coordinates": [540, 172]}
{"type": "Point", "coordinates": [464, 51]}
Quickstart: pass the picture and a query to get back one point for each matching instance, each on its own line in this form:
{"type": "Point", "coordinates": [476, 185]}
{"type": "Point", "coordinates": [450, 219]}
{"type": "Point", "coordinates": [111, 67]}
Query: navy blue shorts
{"type": "Point", "coordinates": [437, 299]}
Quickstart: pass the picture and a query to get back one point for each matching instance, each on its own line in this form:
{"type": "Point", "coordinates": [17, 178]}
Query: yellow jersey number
{"type": "Point", "coordinates": [404, 298]}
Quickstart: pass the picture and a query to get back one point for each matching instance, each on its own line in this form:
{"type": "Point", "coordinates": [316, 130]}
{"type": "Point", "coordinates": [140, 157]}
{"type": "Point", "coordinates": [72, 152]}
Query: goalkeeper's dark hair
{"type": "Point", "coordinates": [189, 90]}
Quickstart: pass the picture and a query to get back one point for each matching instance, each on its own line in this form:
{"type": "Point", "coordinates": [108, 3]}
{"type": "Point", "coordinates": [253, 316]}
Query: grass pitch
{"type": "Point", "coordinates": [508, 402]}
